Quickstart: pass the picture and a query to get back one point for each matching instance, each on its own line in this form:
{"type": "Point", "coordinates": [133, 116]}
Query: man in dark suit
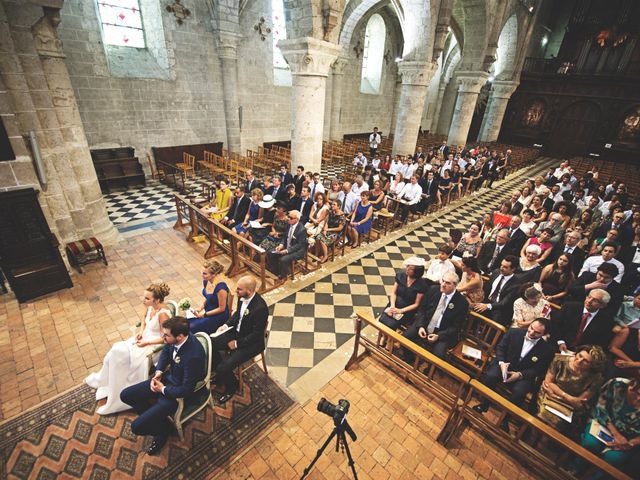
{"type": "Point", "coordinates": [238, 210]}
{"type": "Point", "coordinates": [517, 238]}
{"type": "Point", "coordinates": [429, 186]}
{"type": "Point", "coordinates": [285, 177]}
{"type": "Point", "coordinates": [184, 360]}
{"type": "Point", "coordinates": [444, 149]}
{"type": "Point", "coordinates": [584, 323]}
{"type": "Point", "coordinates": [489, 171]}
{"type": "Point", "coordinates": [625, 229]}
{"type": "Point", "coordinates": [267, 186]}
{"type": "Point", "coordinates": [492, 252]}
{"type": "Point", "coordinates": [251, 183]}
{"type": "Point", "coordinates": [603, 279]}
{"type": "Point", "coordinates": [500, 292]}
{"type": "Point", "coordinates": [438, 324]}
{"type": "Point", "coordinates": [298, 180]}
{"type": "Point", "coordinates": [570, 247]}
{"type": "Point", "coordinates": [522, 355]}
{"type": "Point", "coordinates": [241, 338]}
{"type": "Point", "coordinates": [293, 246]}
{"type": "Point", "coordinates": [279, 191]}
{"type": "Point", "coordinates": [305, 202]}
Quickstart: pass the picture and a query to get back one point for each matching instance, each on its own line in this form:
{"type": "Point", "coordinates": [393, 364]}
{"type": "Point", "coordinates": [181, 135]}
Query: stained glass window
{"type": "Point", "coordinates": [121, 23]}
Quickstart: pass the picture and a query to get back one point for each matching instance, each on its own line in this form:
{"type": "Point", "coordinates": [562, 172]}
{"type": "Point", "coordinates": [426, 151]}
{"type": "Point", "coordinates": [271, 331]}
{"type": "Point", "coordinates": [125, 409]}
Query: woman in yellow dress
{"type": "Point", "coordinates": [222, 201]}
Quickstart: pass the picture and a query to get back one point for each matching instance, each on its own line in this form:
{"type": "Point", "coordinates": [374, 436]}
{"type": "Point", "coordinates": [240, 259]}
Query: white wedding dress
{"type": "Point", "coordinates": [124, 365]}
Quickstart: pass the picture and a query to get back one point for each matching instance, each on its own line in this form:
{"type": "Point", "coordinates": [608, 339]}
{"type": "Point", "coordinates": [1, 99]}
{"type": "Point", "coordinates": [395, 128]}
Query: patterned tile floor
{"type": "Point", "coordinates": [310, 324]}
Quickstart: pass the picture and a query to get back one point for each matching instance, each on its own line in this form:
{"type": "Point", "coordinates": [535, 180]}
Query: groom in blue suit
{"type": "Point", "coordinates": [181, 365]}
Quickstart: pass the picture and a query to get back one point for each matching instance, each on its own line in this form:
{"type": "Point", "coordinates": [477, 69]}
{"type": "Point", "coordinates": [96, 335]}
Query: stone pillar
{"type": "Point", "coordinates": [228, 54]}
{"type": "Point", "coordinates": [310, 60]}
{"type": "Point", "coordinates": [447, 106]}
{"type": "Point", "coordinates": [415, 80]}
{"type": "Point", "coordinates": [436, 114]}
{"type": "Point", "coordinates": [397, 92]}
{"type": "Point", "coordinates": [337, 73]}
{"type": "Point", "coordinates": [501, 91]}
{"type": "Point", "coordinates": [86, 206]}
{"type": "Point", "coordinates": [469, 85]}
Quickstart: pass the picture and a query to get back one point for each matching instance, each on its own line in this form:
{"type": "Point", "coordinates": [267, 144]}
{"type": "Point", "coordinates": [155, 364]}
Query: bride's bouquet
{"type": "Point", "coordinates": [184, 304]}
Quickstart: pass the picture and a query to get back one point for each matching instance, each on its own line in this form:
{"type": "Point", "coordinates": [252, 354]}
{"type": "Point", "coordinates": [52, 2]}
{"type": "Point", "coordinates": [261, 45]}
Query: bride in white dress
{"type": "Point", "coordinates": [127, 363]}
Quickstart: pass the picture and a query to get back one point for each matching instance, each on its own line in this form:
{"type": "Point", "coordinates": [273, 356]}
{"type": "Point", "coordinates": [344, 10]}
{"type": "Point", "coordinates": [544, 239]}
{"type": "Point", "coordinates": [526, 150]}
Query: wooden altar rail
{"type": "Point", "coordinates": [243, 254]}
{"type": "Point", "coordinates": [456, 390]}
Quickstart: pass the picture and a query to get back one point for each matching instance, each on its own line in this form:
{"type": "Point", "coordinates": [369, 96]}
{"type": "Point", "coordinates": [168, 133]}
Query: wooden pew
{"type": "Point", "coordinates": [544, 460]}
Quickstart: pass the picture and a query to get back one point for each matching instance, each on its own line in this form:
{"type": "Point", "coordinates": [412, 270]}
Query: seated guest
{"type": "Point", "coordinates": [438, 324]}
{"type": "Point", "coordinates": [278, 228]}
{"type": "Point", "coordinates": [517, 237]}
{"type": "Point", "coordinates": [348, 199]}
{"type": "Point", "coordinates": [502, 217]}
{"type": "Point", "coordinates": [471, 284]}
{"type": "Point", "coordinates": [293, 246]}
{"type": "Point", "coordinates": [629, 312]}
{"type": "Point", "coordinates": [127, 362]}
{"type": "Point", "coordinates": [360, 223]}
{"type": "Point", "coordinates": [429, 186]}
{"type": "Point", "coordinates": [377, 195]}
{"type": "Point", "coordinates": [292, 199]}
{"type": "Point", "coordinates": [279, 191]}
{"type": "Point", "coordinates": [527, 225]}
{"type": "Point", "coordinates": [411, 195]}
{"type": "Point", "coordinates": [522, 356]}
{"type": "Point", "coordinates": [215, 309]}
{"type": "Point", "coordinates": [556, 278]}
{"type": "Point", "coordinates": [222, 201]}
{"type": "Point", "coordinates": [254, 213]}
{"type": "Point", "coordinates": [529, 306]}
{"type": "Point", "coordinates": [440, 265]}
{"type": "Point", "coordinates": [493, 251]}
{"type": "Point", "coordinates": [397, 184]}
{"type": "Point", "coordinates": [625, 349]}
{"type": "Point", "coordinates": [257, 234]}
{"type": "Point", "coordinates": [334, 191]}
{"type": "Point", "coordinates": [608, 254]}
{"type": "Point", "coordinates": [542, 241]}
{"type": "Point", "coordinates": [155, 399]}
{"type": "Point", "coordinates": [486, 227]}
{"type": "Point", "coordinates": [596, 246]}
{"type": "Point", "coordinates": [500, 292]}
{"type": "Point", "coordinates": [570, 246]}
{"type": "Point", "coordinates": [407, 295]}
{"type": "Point", "coordinates": [242, 337]}
{"type": "Point", "coordinates": [318, 216]}
{"type": "Point", "coordinates": [238, 210]}
{"type": "Point", "coordinates": [444, 187]}
{"type": "Point", "coordinates": [304, 204]}
{"type": "Point", "coordinates": [562, 209]}
{"type": "Point", "coordinates": [470, 243]}
{"type": "Point", "coordinates": [580, 323]}
{"type": "Point", "coordinates": [603, 279]}
{"type": "Point", "coordinates": [316, 186]}
{"type": "Point", "coordinates": [359, 185]}
{"type": "Point", "coordinates": [331, 230]}
{"type": "Point", "coordinates": [618, 410]}
{"type": "Point", "coordinates": [572, 380]}
{"type": "Point", "coordinates": [530, 268]}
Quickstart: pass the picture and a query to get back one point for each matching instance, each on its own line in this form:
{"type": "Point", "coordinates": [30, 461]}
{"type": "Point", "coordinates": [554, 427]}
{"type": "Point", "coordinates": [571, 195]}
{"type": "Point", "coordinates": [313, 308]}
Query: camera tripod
{"type": "Point", "coordinates": [341, 438]}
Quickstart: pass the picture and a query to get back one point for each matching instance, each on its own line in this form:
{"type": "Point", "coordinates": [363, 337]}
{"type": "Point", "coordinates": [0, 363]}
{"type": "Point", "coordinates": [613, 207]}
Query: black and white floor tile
{"type": "Point", "coordinates": [310, 324]}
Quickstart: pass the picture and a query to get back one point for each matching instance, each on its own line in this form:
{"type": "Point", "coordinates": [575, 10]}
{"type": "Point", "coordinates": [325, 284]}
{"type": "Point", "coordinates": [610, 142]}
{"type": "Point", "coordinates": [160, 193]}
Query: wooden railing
{"type": "Point", "coordinates": [456, 392]}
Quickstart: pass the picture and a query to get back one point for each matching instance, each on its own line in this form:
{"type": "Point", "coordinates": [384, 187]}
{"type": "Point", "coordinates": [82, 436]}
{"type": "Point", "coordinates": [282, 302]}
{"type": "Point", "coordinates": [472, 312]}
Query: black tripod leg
{"type": "Point", "coordinates": [320, 450]}
{"type": "Point", "coordinates": [352, 464]}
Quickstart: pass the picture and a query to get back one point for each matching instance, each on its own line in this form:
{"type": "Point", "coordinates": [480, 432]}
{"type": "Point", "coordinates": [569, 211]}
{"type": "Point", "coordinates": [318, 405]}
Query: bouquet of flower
{"type": "Point", "coordinates": [184, 304]}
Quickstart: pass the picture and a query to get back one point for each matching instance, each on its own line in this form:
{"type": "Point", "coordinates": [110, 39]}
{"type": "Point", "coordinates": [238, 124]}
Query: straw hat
{"type": "Point", "coordinates": [267, 201]}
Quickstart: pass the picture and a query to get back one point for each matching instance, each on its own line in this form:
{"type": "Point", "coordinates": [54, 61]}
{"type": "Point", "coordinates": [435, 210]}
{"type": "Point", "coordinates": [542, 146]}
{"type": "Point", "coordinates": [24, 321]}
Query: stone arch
{"type": "Point", "coordinates": [507, 48]}
{"type": "Point", "coordinates": [356, 11]}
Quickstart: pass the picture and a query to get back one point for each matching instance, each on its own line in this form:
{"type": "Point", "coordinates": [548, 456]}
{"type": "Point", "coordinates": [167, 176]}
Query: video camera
{"type": "Point", "coordinates": [337, 412]}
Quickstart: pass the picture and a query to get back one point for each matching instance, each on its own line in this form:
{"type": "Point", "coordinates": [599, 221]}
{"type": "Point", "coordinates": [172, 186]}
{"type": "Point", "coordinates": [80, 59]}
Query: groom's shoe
{"type": "Point", "coordinates": [157, 444]}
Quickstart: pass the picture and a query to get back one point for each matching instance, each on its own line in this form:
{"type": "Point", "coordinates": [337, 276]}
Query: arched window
{"type": "Point", "coordinates": [281, 70]}
{"type": "Point", "coordinates": [373, 54]}
{"type": "Point", "coordinates": [121, 23]}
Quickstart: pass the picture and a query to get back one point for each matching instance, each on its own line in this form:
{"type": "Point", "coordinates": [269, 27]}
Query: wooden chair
{"type": "Point", "coordinates": [481, 333]}
{"type": "Point", "coordinates": [187, 166]}
{"type": "Point", "coordinates": [247, 365]}
{"type": "Point", "coordinates": [188, 408]}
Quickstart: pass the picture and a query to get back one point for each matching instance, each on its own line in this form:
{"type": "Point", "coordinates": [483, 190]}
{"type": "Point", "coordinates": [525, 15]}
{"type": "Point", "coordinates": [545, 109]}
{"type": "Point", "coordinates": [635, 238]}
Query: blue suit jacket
{"type": "Point", "coordinates": [187, 370]}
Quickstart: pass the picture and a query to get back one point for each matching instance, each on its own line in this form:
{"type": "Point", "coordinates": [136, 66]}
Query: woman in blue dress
{"type": "Point", "coordinates": [215, 309]}
{"type": "Point", "coordinates": [254, 212]}
{"type": "Point", "coordinates": [360, 219]}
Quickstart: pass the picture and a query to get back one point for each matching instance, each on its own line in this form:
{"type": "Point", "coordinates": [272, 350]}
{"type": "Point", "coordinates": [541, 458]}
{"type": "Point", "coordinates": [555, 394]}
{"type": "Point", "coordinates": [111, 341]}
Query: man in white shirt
{"type": "Point", "coordinates": [396, 164]}
{"type": "Point", "coordinates": [440, 265]}
{"type": "Point", "coordinates": [374, 140]}
{"type": "Point", "coordinates": [410, 196]}
{"type": "Point", "coordinates": [316, 186]}
{"type": "Point", "coordinates": [360, 160]}
{"type": "Point", "coordinates": [609, 250]}
{"type": "Point", "coordinates": [359, 186]}
{"type": "Point", "coordinates": [347, 198]}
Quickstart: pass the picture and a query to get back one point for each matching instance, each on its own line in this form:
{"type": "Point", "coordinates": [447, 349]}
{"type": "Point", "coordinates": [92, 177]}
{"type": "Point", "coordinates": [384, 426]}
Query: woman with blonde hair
{"type": "Point", "coordinates": [215, 308]}
{"type": "Point", "coordinates": [127, 362]}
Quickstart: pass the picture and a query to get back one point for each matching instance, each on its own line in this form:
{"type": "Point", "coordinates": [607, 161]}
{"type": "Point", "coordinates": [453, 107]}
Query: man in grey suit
{"type": "Point", "coordinates": [293, 246]}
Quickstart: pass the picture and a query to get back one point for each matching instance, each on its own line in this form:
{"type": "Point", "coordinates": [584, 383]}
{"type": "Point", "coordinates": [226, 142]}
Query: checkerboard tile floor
{"type": "Point", "coordinates": [156, 199]}
{"type": "Point", "coordinates": [311, 323]}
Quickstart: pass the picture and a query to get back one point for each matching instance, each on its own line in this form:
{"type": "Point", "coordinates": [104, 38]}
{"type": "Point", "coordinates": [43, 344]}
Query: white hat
{"type": "Point", "coordinates": [414, 262]}
{"type": "Point", "coordinates": [267, 201]}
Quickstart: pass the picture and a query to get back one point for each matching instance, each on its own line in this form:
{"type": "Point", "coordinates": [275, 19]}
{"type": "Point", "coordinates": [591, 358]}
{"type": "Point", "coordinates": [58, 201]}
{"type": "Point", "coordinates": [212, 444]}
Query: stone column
{"type": "Point", "coordinates": [87, 207]}
{"type": "Point", "coordinates": [469, 85]}
{"type": "Point", "coordinates": [415, 80]}
{"type": "Point", "coordinates": [310, 60]}
{"type": "Point", "coordinates": [337, 73]}
{"type": "Point", "coordinates": [397, 92]}
{"type": "Point", "coordinates": [501, 91]}
{"type": "Point", "coordinates": [228, 54]}
{"type": "Point", "coordinates": [436, 114]}
{"type": "Point", "coordinates": [447, 106]}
